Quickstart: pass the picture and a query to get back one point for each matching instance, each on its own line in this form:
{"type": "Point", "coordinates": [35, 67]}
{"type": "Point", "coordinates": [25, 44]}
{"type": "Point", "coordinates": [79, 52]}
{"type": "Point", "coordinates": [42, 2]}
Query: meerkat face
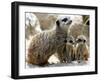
{"type": "Point", "coordinates": [64, 23]}
{"type": "Point", "coordinates": [81, 39]}
{"type": "Point", "coordinates": [70, 40]}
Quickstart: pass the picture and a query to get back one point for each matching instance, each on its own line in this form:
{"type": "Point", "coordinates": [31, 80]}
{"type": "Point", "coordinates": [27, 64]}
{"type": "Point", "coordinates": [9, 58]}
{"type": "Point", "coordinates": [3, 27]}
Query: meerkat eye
{"type": "Point", "coordinates": [64, 20]}
{"type": "Point", "coordinates": [71, 41]}
{"type": "Point", "coordinates": [84, 41]}
{"type": "Point", "coordinates": [65, 41]}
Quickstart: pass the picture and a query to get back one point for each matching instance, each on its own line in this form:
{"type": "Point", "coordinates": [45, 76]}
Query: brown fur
{"type": "Point", "coordinates": [82, 53]}
{"type": "Point", "coordinates": [70, 49]}
{"type": "Point", "coordinates": [67, 51]}
{"type": "Point", "coordinates": [46, 43]}
{"type": "Point", "coordinates": [61, 53]}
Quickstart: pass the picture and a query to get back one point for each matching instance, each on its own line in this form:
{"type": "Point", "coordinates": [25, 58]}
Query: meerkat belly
{"type": "Point", "coordinates": [69, 49]}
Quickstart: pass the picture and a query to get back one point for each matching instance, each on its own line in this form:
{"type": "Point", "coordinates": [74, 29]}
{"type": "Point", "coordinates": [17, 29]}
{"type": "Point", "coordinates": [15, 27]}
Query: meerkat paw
{"type": "Point", "coordinates": [53, 60]}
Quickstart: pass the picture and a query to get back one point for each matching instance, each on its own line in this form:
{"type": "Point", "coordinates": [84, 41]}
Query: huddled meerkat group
{"type": "Point", "coordinates": [78, 50]}
{"type": "Point", "coordinates": [74, 50]}
{"type": "Point", "coordinates": [57, 40]}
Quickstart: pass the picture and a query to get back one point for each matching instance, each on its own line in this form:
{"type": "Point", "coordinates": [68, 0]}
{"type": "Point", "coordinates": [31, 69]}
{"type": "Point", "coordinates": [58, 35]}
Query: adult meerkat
{"type": "Point", "coordinates": [82, 53]}
{"type": "Point", "coordinates": [46, 43]}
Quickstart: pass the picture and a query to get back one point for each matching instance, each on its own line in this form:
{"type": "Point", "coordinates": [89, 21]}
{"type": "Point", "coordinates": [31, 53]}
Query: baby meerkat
{"type": "Point", "coordinates": [70, 49]}
{"type": "Point", "coordinates": [82, 53]}
{"type": "Point", "coordinates": [66, 51]}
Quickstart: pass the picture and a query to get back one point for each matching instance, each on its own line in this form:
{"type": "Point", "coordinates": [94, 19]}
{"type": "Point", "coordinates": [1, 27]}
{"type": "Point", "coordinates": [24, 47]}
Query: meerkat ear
{"type": "Point", "coordinates": [57, 23]}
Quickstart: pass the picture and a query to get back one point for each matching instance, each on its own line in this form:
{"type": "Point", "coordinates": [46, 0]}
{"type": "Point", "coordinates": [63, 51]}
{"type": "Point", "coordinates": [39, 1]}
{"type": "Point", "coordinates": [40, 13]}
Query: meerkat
{"type": "Point", "coordinates": [46, 43]}
{"type": "Point", "coordinates": [70, 49]}
{"type": "Point", "coordinates": [66, 51]}
{"type": "Point", "coordinates": [82, 51]}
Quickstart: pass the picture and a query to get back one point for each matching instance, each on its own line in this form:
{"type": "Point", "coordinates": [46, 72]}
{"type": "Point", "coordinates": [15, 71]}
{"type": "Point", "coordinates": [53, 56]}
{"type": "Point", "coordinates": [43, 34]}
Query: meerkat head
{"type": "Point", "coordinates": [63, 23]}
{"type": "Point", "coordinates": [70, 40]}
{"type": "Point", "coordinates": [81, 39]}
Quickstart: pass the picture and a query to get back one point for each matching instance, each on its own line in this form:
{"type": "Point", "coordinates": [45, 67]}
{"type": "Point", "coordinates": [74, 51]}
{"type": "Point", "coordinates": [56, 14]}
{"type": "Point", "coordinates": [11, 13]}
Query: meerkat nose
{"type": "Point", "coordinates": [65, 19]}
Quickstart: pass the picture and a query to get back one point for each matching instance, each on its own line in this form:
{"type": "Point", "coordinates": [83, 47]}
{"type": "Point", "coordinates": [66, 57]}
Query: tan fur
{"type": "Point", "coordinates": [46, 43]}
{"type": "Point", "coordinates": [70, 52]}
{"type": "Point", "coordinates": [70, 49]}
{"type": "Point", "coordinates": [61, 53]}
{"type": "Point", "coordinates": [67, 51]}
{"type": "Point", "coordinates": [82, 52]}
{"type": "Point", "coordinates": [77, 29]}
{"type": "Point", "coordinates": [38, 51]}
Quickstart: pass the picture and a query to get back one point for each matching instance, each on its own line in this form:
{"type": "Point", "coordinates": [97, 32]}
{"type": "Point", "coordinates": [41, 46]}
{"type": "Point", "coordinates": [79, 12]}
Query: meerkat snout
{"type": "Point", "coordinates": [66, 19]}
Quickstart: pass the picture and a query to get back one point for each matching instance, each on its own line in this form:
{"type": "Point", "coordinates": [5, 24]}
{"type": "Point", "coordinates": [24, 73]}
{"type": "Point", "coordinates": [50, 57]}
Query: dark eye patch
{"type": "Point", "coordinates": [65, 41]}
{"type": "Point", "coordinates": [84, 41]}
{"type": "Point", "coordinates": [57, 22]}
{"type": "Point", "coordinates": [64, 20]}
{"type": "Point", "coordinates": [71, 41]}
